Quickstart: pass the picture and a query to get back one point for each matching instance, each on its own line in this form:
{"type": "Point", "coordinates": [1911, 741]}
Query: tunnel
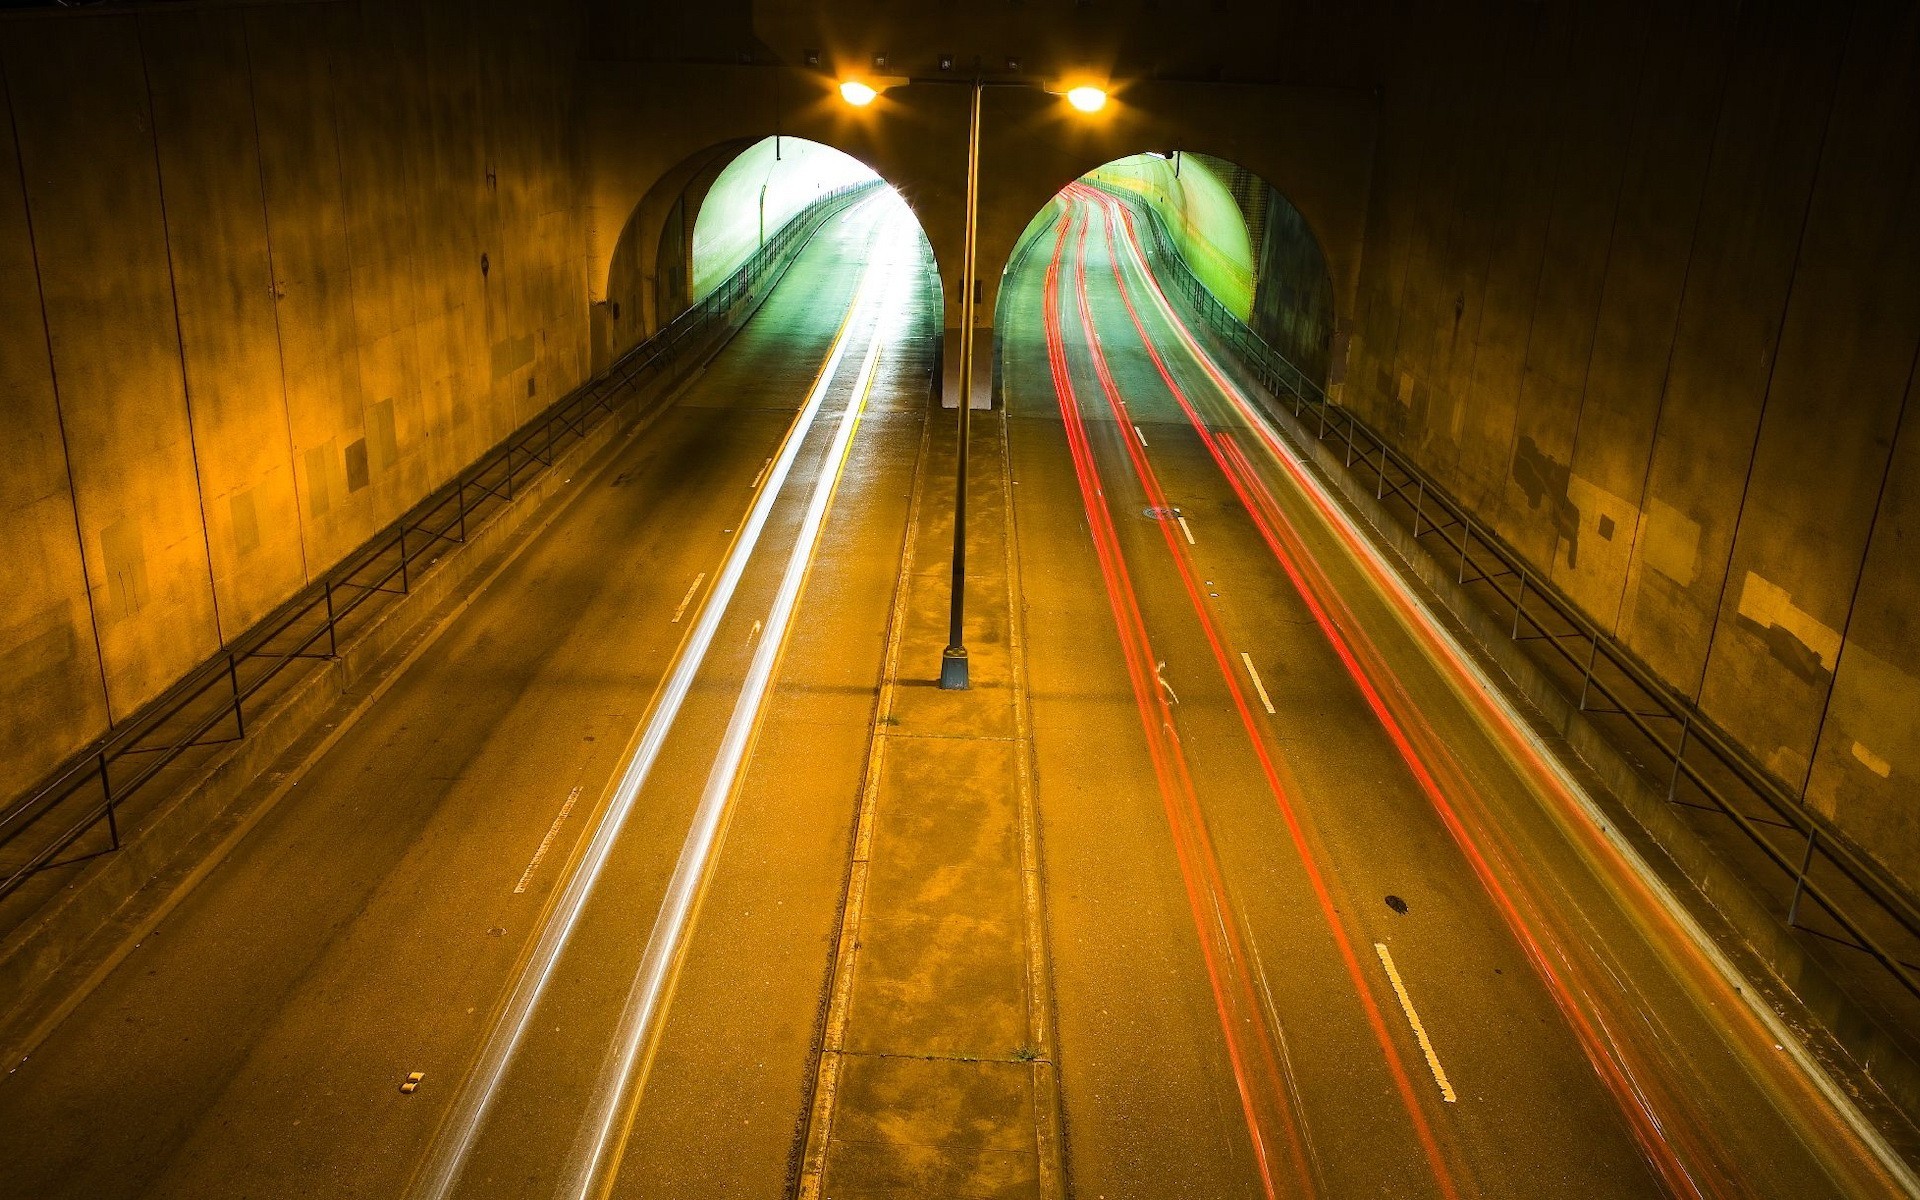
{"type": "Point", "coordinates": [804, 598]}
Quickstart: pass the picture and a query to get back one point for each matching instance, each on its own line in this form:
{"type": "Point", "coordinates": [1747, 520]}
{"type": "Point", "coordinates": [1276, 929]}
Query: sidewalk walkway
{"type": "Point", "coordinates": [936, 1072]}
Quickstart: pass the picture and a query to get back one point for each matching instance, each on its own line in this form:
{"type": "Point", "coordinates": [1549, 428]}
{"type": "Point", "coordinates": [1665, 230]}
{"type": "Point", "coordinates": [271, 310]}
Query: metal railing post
{"type": "Point", "coordinates": [233, 681]}
{"type": "Point", "coordinates": [1519, 601]}
{"type": "Point", "coordinates": [1679, 756]}
{"type": "Point", "coordinates": [1800, 880]}
{"type": "Point", "coordinates": [1587, 681]}
{"type": "Point", "coordinates": [106, 788]}
{"type": "Point", "coordinates": [333, 639]}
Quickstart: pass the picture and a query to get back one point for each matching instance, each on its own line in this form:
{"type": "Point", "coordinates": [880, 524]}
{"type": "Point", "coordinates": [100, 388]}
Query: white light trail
{"type": "Point", "coordinates": [596, 1153]}
{"type": "Point", "coordinates": [455, 1139]}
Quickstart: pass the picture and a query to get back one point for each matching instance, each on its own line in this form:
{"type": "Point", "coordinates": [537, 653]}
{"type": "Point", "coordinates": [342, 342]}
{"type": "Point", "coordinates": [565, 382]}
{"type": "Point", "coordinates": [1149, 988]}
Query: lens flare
{"type": "Point", "coordinates": [1087, 99]}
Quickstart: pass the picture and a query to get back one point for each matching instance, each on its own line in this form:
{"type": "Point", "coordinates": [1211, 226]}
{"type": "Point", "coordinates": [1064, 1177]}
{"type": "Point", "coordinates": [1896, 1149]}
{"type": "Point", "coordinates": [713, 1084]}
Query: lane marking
{"type": "Point", "coordinates": [526, 876]}
{"type": "Point", "coordinates": [1257, 685]}
{"type": "Point", "coordinates": [1138, 434]}
{"type": "Point", "coordinates": [1185, 530]}
{"type": "Point", "coordinates": [1297, 830]}
{"type": "Point", "coordinates": [600, 1144]}
{"type": "Point", "coordinates": [460, 1128]}
{"type": "Point", "coordinates": [761, 475]}
{"type": "Point", "coordinates": [1248, 1040]}
{"type": "Point", "coordinates": [687, 599]}
{"type": "Point", "coordinates": [1413, 1019]}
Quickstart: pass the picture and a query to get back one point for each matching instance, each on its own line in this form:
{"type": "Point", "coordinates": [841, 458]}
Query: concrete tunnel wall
{"type": "Point", "coordinates": [1639, 285]}
{"type": "Point", "coordinates": [1205, 220]}
{"type": "Point", "coordinates": [243, 316]}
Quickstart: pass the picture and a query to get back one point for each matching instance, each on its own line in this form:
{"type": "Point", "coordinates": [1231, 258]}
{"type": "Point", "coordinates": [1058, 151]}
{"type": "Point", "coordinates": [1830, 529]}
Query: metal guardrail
{"type": "Point", "coordinates": [1700, 766]}
{"type": "Point", "coordinates": [209, 706]}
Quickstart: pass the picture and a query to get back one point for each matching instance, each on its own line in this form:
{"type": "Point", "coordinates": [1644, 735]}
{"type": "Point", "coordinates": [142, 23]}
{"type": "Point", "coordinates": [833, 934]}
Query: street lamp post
{"type": "Point", "coordinates": [953, 660]}
{"type": "Point", "coordinates": [860, 93]}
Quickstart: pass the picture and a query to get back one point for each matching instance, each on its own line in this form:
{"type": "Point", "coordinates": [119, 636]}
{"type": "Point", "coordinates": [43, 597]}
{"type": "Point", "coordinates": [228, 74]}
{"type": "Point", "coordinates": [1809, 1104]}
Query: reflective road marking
{"type": "Point", "coordinates": [526, 876]}
{"type": "Point", "coordinates": [1257, 685]}
{"type": "Point", "coordinates": [688, 598]}
{"type": "Point", "coordinates": [1413, 1019]}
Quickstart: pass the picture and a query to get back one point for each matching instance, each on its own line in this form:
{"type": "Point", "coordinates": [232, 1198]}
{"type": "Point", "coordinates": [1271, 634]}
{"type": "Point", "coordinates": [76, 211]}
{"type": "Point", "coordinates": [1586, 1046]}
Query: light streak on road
{"type": "Point", "coordinates": [1437, 1159]}
{"type": "Point", "coordinates": [596, 1157]}
{"type": "Point", "coordinates": [1719, 985]}
{"type": "Point", "coordinates": [1648, 1110]}
{"type": "Point", "coordinates": [460, 1128]}
{"type": "Point", "coordinates": [1265, 1091]}
{"type": "Point", "coordinates": [1676, 1136]}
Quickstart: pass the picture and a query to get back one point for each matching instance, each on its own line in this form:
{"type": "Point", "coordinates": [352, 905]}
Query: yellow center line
{"type": "Point", "coordinates": [1413, 1019]}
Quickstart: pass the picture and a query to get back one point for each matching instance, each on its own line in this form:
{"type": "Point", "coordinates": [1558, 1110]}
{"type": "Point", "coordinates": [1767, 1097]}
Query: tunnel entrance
{"type": "Point", "coordinates": [706, 216]}
{"type": "Point", "coordinates": [1240, 237]}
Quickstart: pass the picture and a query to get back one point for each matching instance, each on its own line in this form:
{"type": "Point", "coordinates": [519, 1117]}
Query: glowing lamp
{"type": "Point", "coordinates": [857, 93]}
{"type": "Point", "coordinates": [1087, 99]}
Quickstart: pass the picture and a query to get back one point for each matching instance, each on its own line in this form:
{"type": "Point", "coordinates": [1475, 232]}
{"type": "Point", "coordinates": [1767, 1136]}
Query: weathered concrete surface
{"type": "Point", "coordinates": [1638, 286]}
{"type": "Point", "coordinates": [937, 1071]}
{"type": "Point", "coordinates": [255, 235]}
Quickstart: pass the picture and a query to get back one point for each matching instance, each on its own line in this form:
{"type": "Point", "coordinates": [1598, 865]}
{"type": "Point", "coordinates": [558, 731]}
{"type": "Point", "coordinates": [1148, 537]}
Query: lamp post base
{"type": "Point", "coordinates": [953, 669]}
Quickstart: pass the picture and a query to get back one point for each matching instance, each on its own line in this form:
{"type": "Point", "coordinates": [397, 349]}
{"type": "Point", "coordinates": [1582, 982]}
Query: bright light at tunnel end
{"type": "Point", "coordinates": [857, 93]}
{"type": "Point", "coordinates": [1087, 98]}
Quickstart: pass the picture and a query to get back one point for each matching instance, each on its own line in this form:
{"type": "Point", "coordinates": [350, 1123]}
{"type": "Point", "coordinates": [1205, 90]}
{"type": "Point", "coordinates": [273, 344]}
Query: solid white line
{"type": "Point", "coordinates": [592, 1166]}
{"type": "Point", "coordinates": [1185, 530]}
{"type": "Point", "coordinates": [461, 1126]}
{"type": "Point", "coordinates": [1413, 1019]}
{"type": "Point", "coordinates": [688, 598]}
{"type": "Point", "coordinates": [1257, 685]}
{"type": "Point", "coordinates": [1138, 434]}
{"type": "Point", "coordinates": [526, 876]}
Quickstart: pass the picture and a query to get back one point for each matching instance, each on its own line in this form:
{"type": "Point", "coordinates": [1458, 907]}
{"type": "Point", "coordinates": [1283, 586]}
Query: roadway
{"type": "Point", "coordinates": [1321, 915]}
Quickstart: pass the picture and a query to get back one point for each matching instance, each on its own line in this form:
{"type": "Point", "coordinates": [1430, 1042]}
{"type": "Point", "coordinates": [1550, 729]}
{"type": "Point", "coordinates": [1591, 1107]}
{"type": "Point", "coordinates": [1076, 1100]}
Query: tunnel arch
{"type": "Point", "coordinates": [1314, 144]}
{"type": "Point", "coordinates": [1242, 237]}
{"type": "Point", "coordinates": [705, 216]}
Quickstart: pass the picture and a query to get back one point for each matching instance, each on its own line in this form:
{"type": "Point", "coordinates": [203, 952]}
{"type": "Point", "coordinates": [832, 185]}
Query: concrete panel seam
{"type": "Point", "coordinates": [179, 336]}
{"type": "Point", "coordinates": [53, 378]}
{"type": "Point", "coordinates": [273, 284]}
